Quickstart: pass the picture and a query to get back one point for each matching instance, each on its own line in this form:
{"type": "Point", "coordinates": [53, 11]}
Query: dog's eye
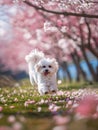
{"type": "Point", "coordinates": [44, 66]}
{"type": "Point", "coordinates": [50, 66]}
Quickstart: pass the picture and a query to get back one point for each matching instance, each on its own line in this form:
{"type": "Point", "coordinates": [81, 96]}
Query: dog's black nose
{"type": "Point", "coordinates": [46, 70]}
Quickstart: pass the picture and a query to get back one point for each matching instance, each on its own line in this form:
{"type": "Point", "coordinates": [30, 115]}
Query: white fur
{"type": "Point", "coordinates": [42, 71]}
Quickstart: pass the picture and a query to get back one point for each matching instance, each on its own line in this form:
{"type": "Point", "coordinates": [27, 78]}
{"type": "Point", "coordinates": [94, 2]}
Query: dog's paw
{"type": "Point", "coordinates": [43, 91]}
{"type": "Point", "coordinates": [53, 91]}
{"type": "Point", "coordinates": [46, 92]}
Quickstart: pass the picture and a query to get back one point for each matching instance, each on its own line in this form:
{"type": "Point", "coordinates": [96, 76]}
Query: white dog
{"type": "Point", "coordinates": [42, 71]}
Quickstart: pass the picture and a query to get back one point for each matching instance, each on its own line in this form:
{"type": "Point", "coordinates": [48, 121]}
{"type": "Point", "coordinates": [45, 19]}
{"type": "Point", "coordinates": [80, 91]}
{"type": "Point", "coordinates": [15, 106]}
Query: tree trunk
{"type": "Point", "coordinates": [84, 76]}
{"type": "Point", "coordinates": [65, 68]}
{"type": "Point", "coordinates": [76, 65]}
{"type": "Point", "coordinates": [93, 51]}
{"type": "Point", "coordinates": [96, 42]}
{"type": "Point", "coordinates": [94, 76]}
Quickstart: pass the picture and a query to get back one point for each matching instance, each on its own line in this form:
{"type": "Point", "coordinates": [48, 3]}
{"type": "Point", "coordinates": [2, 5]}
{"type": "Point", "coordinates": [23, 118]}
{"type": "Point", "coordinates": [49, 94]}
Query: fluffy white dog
{"type": "Point", "coordinates": [42, 71]}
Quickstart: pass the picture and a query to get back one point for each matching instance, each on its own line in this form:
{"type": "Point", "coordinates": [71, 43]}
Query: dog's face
{"type": "Point", "coordinates": [47, 66]}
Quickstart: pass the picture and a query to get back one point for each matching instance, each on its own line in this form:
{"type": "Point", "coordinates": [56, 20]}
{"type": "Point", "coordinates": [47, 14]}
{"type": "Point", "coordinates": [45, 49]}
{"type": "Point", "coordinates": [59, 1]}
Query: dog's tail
{"type": "Point", "coordinates": [32, 59]}
{"type": "Point", "coordinates": [34, 56]}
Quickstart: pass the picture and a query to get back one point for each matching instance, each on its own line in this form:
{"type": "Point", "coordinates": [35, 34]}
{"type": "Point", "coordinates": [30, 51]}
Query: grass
{"type": "Point", "coordinates": [22, 106]}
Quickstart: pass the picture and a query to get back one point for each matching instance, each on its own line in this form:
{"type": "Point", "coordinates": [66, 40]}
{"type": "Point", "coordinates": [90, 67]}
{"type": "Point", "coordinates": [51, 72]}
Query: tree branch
{"type": "Point", "coordinates": [59, 13]}
{"type": "Point", "coordinates": [89, 31]}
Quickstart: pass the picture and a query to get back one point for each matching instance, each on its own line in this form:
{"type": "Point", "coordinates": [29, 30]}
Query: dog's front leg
{"type": "Point", "coordinates": [43, 89]}
{"type": "Point", "coordinates": [53, 88]}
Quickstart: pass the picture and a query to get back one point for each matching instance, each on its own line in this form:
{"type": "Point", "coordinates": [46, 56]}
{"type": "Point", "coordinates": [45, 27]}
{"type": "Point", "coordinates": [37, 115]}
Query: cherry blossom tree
{"type": "Point", "coordinates": [62, 29]}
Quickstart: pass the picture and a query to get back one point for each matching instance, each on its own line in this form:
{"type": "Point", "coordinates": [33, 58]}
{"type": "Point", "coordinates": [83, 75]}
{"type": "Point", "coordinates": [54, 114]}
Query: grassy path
{"type": "Point", "coordinates": [22, 108]}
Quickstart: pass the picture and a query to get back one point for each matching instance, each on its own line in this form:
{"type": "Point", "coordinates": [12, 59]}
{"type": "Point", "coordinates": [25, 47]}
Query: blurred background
{"type": "Point", "coordinates": [72, 40]}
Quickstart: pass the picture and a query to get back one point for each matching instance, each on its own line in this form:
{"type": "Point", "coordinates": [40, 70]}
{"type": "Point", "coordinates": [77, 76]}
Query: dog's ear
{"type": "Point", "coordinates": [55, 63]}
{"type": "Point", "coordinates": [37, 67]}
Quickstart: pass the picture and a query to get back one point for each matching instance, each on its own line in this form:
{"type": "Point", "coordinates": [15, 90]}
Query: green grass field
{"type": "Point", "coordinates": [22, 108]}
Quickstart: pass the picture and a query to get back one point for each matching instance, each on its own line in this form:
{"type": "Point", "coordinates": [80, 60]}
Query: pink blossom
{"type": "Point", "coordinates": [95, 115]}
{"type": "Point", "coordinates": [60, 120]}
{"type": "Point", "coordinates": [59, 23]}
{"type": "Point", "coordinates": [39, 109]}
{"type": "Point", "coordinates": [29, 102]}
{"type": "Point", "coordinates": [87, 106]}
{"type": "Point", "coordinates": [11, 119]}
{"type": "Point", "coordinates": [53, 107]}
{"type": "Point", "coordinates": [60, 93]}
{"type": "Point", "coordinates": [16, 100]}
{"type": "Point", "coordinates": [5, 128]}
{"type": "Point", "coordinates": [12, 107]}
{"type": "Point", "coordinates": [1, 108]}
{"type": "Point", "coordinates": [17, 126]}
{"type": "Point", "coordinates": [59, 128]}
{"type": "Point", "coordinates": [59, 81]}
{"type": "Point", "coordinates": [42, 101]}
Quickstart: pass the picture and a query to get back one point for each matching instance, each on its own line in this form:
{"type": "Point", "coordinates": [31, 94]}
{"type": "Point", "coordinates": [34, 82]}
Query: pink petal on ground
{"type": "Point", "coordinates": [60, 120]}
{"type": "Point", "coordinates": [1, 108]}
{"type": "Point", "coordinates": [87, 106]}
